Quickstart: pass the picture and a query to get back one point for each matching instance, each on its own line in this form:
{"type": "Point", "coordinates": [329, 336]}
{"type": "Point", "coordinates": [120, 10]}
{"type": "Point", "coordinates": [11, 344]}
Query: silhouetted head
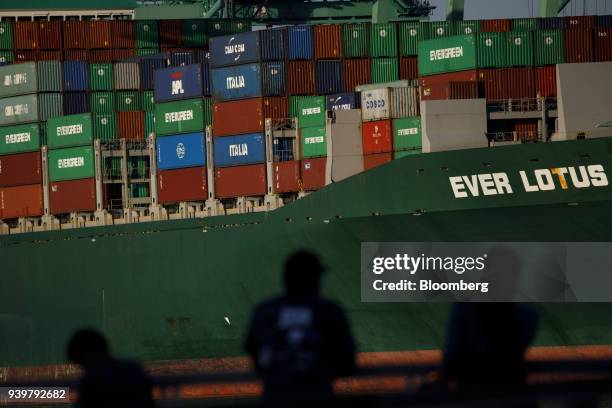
{"type": "Point", "coordinates": [87, 346]}
{"type": "Point", "coordinates": [302, 273]}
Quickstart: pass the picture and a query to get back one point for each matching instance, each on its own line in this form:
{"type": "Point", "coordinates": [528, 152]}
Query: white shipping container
{"type": "Point", "coordinates": [375, 104]}
{"type": "Point", "coordinates": [127, 75]}
{"type": "Point", "coordinates": [404, 102]}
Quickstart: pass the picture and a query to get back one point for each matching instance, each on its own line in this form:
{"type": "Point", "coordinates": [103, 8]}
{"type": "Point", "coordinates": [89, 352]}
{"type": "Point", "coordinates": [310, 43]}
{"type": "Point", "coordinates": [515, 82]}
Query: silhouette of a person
{"type": "Point", "coordinates": [299, 341]}
{"type": "Point", "coordinates": [107, 382]}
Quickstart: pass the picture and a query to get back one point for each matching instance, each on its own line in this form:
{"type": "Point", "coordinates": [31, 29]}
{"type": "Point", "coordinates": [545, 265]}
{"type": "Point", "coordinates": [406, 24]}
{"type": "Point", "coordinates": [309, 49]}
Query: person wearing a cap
{"type": "Point", "coordinates": [299, 341]}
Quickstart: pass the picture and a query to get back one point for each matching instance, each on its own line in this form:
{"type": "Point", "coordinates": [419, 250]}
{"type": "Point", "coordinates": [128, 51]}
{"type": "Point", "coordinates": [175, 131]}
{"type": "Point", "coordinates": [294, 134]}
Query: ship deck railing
{"type": "Point", "coordinates": [556, 383]}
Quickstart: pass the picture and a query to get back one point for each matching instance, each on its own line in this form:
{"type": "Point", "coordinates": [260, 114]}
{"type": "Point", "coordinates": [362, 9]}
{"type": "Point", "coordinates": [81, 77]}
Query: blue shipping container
{"type": "Point", "coordinates": [239, 150]}
{"type": "Point", "coordinates": [343, 101]}
{"type": "Point", "coordinates": [233, 83]}
{"type": "Point", "coordinates": [181, 151]}
{"type": "Point", "coordinates": [147, 70]}
{"type": "Point", "coordinates": [76, 102]}
{"type": "Point", "coordinates": [235, 49]}
{"type": "Point", "coordinates": [274, 77]}
{"type": "Point", "coordinates": [329, 77]}
{"type": "Point", "coordinates": [182, 58]}
{"type": "Point", "coordinates": [300, 42]}
{"type": "Point", "coordinates": [75, 76]}
{"type": "Point", "coordinates": [604, 21]}
{"type": "Point", "coordinates": [177, 83]}
{"type": "Point", "coordinates": [273, 44]}
{"type": "Point", "coordinates": [552, 23]}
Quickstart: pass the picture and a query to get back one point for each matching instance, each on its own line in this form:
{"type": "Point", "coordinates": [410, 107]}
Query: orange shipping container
{"type": "Point", "coordinates": [26, 35]}
{"type": "Point", "coordinates": [580, 23]}
{"type": "Point", "coordinates": [170, 34]}
{"type": "Point", "coordinates": [546, 81]}
{"type": "Point", "coordinates": [578, 46]}
{"type": "Point", "coordinates": [240, 181]}
{"type": "Point", "coordinates": [356, 72]}
{"type": "Point", "coordinates": [22, 201]}
{"type": "Point", "coordinates": [603, 44]}
{"type": "Point", "coordinates": [276, 107]}
{"type": "Point", "coordinates": [301, 77]}
{"type": "Point", "coordinates": [75, 55]}
{"type": "Point", "coordinates": [48, 55]}
{"type": "Point", "coordinates": [25, 56]}
{"type": "Point", "coordinates": [123, 34]}
{"type": "Point", "coordinates": [313, 173]}
{"type": "Point", "coordinates": [371, 161]}
{"type": "Point", "coordinates": [238, 117]}
{"type": "Point", "coordinates": [377, 137]}
{"type": "Point", "coordinates": [50, 35]}
{"type": "Point", "coordinates": [409, 68]}
{"type": "Point", "coordinates": [121, 54]}
{"type": "Point", "coordinates": [328, 41]}
{"type": "Point", "coordinates": [99, 56]}
{"type": "Point", "coordinates": [496, 26]}
{"type": "Point", "coordinates": [98, 34]}
{"type": "Point", "coordinates": [131, 125]}
{"type": "Point", "coordinates": [286, 177]}
{"type": "Point", "coordinates": [75, 35]}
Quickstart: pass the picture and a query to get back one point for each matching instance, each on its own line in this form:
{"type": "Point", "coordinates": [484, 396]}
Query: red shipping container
{"type": "Point", "coordinates": [50, 35]}
{"type": "Point", "coordinates": [122, 54]}
{"type": "Point", "coordinates": [49, 55]}
{"type": "Point", "coordinates": [25, 36]}
{"type": "Point", "coordinates": [520, 83]}
{"type": "Point", "coordinates": [371, 161]}
{"type": "Point", "coordinates": [240, 181]}
{"type": "Point", "coordinates": [437, 87]}
{"type": "Point", "coordinates": [75, 55]}
{"type": "Point", "coordinates": [409, 68]}
{"type": "Point", "coordinates": [98, 34]}
{"type": "Point", "coordinates": [603, 44]}
{"type": "Point", "coordinates": [496, 26]}
{"type": "Point", "coordinates": [494, 83]}
{"type": "Point", "coordinates": [377, 137]}
{"type": "Point", "coordinates": [313, 173]}
{"type": "Point", "coordinates": [179, 185]}
{"type": "Point", "coordinates": [356, 72]}
{"type": "Point", "coordinates": [286, 176]}
{"type": "Point", "coordinates": [25, 56]}
{"type": "Point", "coordinates": [20, 169]}
{"type": "Point", "coordinates": [22, 201]}
{"type": "Point", "coordinates": [302, 77]}
{"type": "Point", "coordinates": [578, 46]}
{"type": "Point", "coordinates": [580, 23]}
{"type": "Point", "coordinates": [328, 41]}
{"type": "Point", "coordinates": [99, 56]}
{"type": "Point", "coordinates": [123, 34]}
{"type": "Point", "coordinates": [276, 107]}
{"type": "Point", "coordinates": [170, 33]}
{"type": "Point", "coordinates": [75, 35]}
{"type": "Point", "coordinates": [72, 196]}
{"type": "Point", "coordinates": [131, 125]}
{"type": "Point", "coordinates": [238, 117]}
{"type": "Point", "coordinates": [463, 90]}
{"type": "Point", "coordinates": [526, 130]}
{"type": "Point", "coordinates": [546, 81]}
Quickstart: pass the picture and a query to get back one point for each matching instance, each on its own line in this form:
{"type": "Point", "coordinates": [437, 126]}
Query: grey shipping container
{"type": "Point", "coordinates": [127, 75]}
{"type": "Point", "coordinates": [30, 108]}
{"type": "Point", "coordinates": [386, 103]}
{"type": "Point", "coordinates": [31, 77]}
{"type": "Point", "coordinates": [404, 102]}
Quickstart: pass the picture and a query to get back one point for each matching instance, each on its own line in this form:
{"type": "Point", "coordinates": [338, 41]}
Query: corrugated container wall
{"type": "Point", "coordinates": [76, 102]}
{"type": "Point", "coordinates": [491, 49]}
{"type": "Point", "coordinates": [105, 126]}
{"type": "Point", "coordinates": [180, 185]}
{"type": "Point", "coordinates": [72, 196]}
{"type": "Point", "coordinates": [519, 49]}
{"type": "Point", "coordinates": [385, 70]}
{"type": "Point", "coordinates": [148, 66]}
{"type": "Point", "coordinates": [273, 44]}
{"type": "Point", "coordinates": [377, 137]}
{"type": "Point", "coordinates": [239, 150]}
{"type": "Point", "coordinates": [26, 35]}
{"type": "Point", "coordinates": [603, 44]}
{"type": "Point", "coordinates": [128, 101]}
{"type": "Point", "coordinates": [170, 34]}
{"type": "Point", "coordinates": [127, 75]}
{"type": "Point", "coordinates": [525, 24]}
{"type": "Point", "coordinates": [123, 34]}
{"type": "Point", "coordinates": [238, 117]}
{"type": "Point", "coordinates": [371, 161]}
{"type": "Point", "coordinates": [404, 101]}
{"type": "Point", "coordinates": [328, 41]}
{"type": "Point", "coordinates": [237, 49]}
{"type": "Point", "coordinates": [375, 104]}
{"type": "Point", "coordinates": [22, 201]}
{"type": "Point", "coordinates": [409, 68]}
{"type": "Point", "coordinates": [286, 176]}
{"type": "Point", "coordinates": [6, 57]}
{"type": "Point", "coordinates": [300, 42]}
{"type": "Point", "coordinates": [604, 21]}
{"type": "Point", "coordinates": [410, 33]}
{"type": "Point", "coordinates": [194, 33]}
{"type": "Point", "coordinates": [130, 125]}
{"type": "Point", "coordinates": [75, 76]}
{"type": "Point", "coordinates": [207, 111]}
{"type": "Point", "coordinates": [356, 72]}
{"type": "Point", "coordinates": [50, 35]}
{"type": "Point", "coordinates": [578, 46]}
{"type": "Point", "coordinates": [546, 81]}
{"type": "Point", "coordinates": [99, 56]}
{"type": "Point", "coordinates": [239, 82]}
{"type": "Point", "coordinates": [329, 77]}
{"type": "Point", "coordinates": [439, 29]}
{"type": "Point", "coordinates": [181, 151]}
{"type": "Point", "coordinates": [102, 102]}
{"type": "Point", "coordinates": [497, 25]}
{"type": "Point", "coordinates": [98, 34]}
{"type": "Point", "coordinates": [19, 139]}
{"type": "Point", "coordinates": [276, 107]}
{"type": "Point", "coordinates": [179, 117]}
{"type": "Point", "coordinates": [6, 35]}
{"type": "Point", "coordinates": [147, 35]}
{"type": "Point", "coordinates": [439, 55]}
{"type": "Point", "coordinates": [407, 133]}
{"type": "Point", "coordinates": [494, 83]}
{"type": "Point", "coordinates": [75, 35]}
{"type": "Point", "coordinates": [314, 142]}
{"type": "Point", "coordinates": [123, 54]}
{"type": "Point", "coordinates": [69, 131]}
{"type": "Point", "coordinates": [313, 173]}
{"type": "Point", "coordinates": [301, 78]}
{"type": "Point", "coordinates": [240, 181]}
{"type": "Point", "coordinates": [311, 111]}
{"type": "Point", "coordinates": [20, 169]}
{"type": "Point", "coordinates": [467, 27]}
{"type": "Point", "coordinates": [383, 42]}
{"type": "Point", "coordinates": [274, 78]}
{"type": "Point", "coordinates": [50, 105]}
{"type": "Point", "coordinates": [553, 23]}
{"type": "Point", "coordinates": [178, 83]}
{"type": "Point", "coordinates": [520, 82]}
{"type": "Point", "coordinates": [463, 90]}
{"type": "Point", "coordinates": [101, 77]}
{"type": "Point", "coordinates": [180, 58]}
{"type": "Point", "coordinates": [71, 164]}
{"type": "Point", "coordinates": [343, 101]}
{"type": "Point", "coordinates": [356, 40]}
{"type": "Point", "coordinates": [548, 47]}
{"type": "Point", "coordinates": [580, 23]}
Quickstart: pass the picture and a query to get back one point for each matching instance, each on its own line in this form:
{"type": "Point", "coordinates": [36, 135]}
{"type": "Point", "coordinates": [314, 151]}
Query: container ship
{"type": "Point", "coordinates": [155, 173]}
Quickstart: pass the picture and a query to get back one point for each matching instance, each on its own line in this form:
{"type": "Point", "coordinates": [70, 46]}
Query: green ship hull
{"type": "Point", "coordinates": [185, 289]}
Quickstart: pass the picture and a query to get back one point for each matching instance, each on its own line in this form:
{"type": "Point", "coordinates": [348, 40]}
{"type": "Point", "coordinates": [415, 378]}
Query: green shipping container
{"type": "Point", "coordinates": [6, 57]}
{"type": "Point", "coordinates": [311, 111]}
{"type": "Point", "coordinates": [128, 101]}
{"type": "Point", "coordinates": [407, 133]}
{"type": "Point", "coordinates": [30, 77]}
{"type": "Point", "coordinates": [19, 139]}
{"type": "Point", "coordinates": [49, 75]}
{"type": "Point", "coordinates": [19, 109]}
{"type": "Point", "coordinates": [439, 29]}
{"type": "Point", "coordinates": [102, 102]}
{"type": "Point", "coordinates": [293, 105]}
{"type": "Point", "coordinates": [356, 39]}
{"type": "Point", "coordinates": [491, 50]}
{"type": "Point", "coordinates": [179, 117]}
{"type": "Point", "coordinates": [50, 105]}
{"type": "Point", "coordinates": [406, 153]}
{"type": "Point", "coordinates": [218, 27]}
{"type": "Point", "coordinates": [519, 49]}
{"type": "Point", "coordinates": [105, 126]}
{"type": "Point", "coordinates": [524, 24]}
{"type": "Point", "coordinates": [6, 35]}
{"type": "Point", "coordinates": [149, 123]}
{"type": "Point", "coordinates": [148, 101]}
{"type": "Point", "coordinates": [548, 47]}
{"type": "Point", "coordinates": [385, 70]}
{"type": "Point", "coordinates": [71, 164]}
{"type": "Point", "coordinates": [194, 33]}
{"type": "Point", "coordinates": [383, 40]}
{"type": "Point", "coordinates": [207, 109]}
{"type": "Point", "coordinates": [314, 141]}
{"type": "Point", "coordinates": [410, 33]}
{"type": "Point", "coordinates": [143, 52]}
{"type": "Point", "coordinates": [449, 54]}
{"type": "Point", "coordinates": [466, 27]}
{"type": "Point", "coordinates": [147, 34]}
{"type": "Point", "coordinates": [101, 77]}
{"type": "Point", "coordinates": [69, 131]}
